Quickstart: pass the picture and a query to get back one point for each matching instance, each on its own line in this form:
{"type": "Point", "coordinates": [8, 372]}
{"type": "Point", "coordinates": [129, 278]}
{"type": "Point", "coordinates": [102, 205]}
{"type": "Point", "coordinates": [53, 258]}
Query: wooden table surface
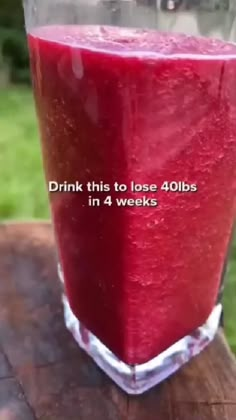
{"type": "Point", "coordinates": [43, 373]}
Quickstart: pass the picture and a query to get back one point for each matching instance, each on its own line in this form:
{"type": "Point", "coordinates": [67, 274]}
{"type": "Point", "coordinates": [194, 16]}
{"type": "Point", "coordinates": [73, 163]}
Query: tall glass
{"type": "Point", "coordinates": [136, 102]}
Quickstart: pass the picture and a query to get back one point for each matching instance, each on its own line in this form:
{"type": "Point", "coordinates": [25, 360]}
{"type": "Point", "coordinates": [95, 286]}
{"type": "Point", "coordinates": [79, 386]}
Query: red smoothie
{"type": "Point", "coordinates": [123, 105]}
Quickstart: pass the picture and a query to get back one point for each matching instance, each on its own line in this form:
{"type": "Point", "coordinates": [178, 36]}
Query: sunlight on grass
{"type": "Point", "coordinates": [23, 190]}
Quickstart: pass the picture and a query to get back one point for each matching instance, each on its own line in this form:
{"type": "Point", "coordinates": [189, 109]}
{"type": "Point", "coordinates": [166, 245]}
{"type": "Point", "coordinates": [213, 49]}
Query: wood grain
{"type": "Point", "coordinates": [43, 373]}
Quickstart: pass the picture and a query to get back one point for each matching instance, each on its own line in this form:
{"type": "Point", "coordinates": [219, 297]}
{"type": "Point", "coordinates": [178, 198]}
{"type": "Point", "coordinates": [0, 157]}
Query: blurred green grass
{"type": "Point", "coordinates": [230, 300]}
{"type": "Point", "coordinates": [23, 190]}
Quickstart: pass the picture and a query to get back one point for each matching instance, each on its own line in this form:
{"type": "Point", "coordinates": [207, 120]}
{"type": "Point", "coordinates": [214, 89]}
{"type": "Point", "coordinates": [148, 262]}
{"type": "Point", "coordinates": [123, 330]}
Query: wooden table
{"type": "Point", "coordinates": [43, 374]}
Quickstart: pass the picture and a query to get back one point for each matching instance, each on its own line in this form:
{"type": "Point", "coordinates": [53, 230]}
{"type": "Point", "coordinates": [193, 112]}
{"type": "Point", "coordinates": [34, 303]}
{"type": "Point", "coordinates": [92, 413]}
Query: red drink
{"type": "Point", "coordinates": [121, 105]}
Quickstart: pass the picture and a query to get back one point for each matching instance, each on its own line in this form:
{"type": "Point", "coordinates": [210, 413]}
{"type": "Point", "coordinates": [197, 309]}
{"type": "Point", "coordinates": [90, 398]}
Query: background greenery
{"type": "Point", "coordinates": [13, 47]}
{"type": "Point", "coordinates": [23, 191]}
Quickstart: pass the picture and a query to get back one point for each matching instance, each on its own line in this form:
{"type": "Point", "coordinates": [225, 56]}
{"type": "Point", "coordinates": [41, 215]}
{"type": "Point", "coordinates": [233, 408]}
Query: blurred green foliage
{"type": "Point", "coordinates": [11, 14]}
{"type": "Point", "coordinates": [13, 44]}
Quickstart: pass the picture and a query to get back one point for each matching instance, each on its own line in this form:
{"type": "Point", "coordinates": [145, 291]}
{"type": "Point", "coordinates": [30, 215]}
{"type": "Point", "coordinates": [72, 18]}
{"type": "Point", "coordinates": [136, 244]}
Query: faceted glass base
{"type": "Point", "coordinates": [139, 378]}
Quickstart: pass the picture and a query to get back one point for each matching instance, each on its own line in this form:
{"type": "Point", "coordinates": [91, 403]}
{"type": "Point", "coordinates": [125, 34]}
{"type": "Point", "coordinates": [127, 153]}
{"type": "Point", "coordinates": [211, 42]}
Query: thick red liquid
{"type": "Point", "coordinates": [116, 105]}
